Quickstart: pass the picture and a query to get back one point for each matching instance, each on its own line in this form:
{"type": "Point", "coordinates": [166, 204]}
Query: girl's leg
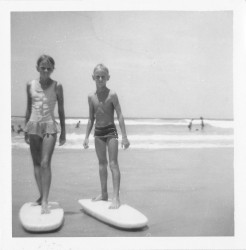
{"type": "Point", "coordinates": [48, 146]}
{"type": "Point", "coordinates": [36, 150]}
{"type": "Point", "coordinates": [114, 166]}
{"type": "Point", "coordinates": [100, 147]}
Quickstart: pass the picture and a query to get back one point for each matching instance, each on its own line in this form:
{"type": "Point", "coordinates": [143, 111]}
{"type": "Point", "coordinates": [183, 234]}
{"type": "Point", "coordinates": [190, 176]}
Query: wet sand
{"type": "Point", "coordinates": [183, 192]}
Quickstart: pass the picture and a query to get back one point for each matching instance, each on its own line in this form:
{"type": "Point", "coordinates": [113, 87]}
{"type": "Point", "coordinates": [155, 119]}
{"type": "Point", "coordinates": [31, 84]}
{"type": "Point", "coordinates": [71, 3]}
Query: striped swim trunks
{"type": "Point", "coordinates": [106, 132]}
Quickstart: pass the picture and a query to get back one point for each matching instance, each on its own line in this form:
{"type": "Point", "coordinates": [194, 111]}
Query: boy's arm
{"type": "Point", "coordinates": [90, 122]}
{"type": "Point", "coordinates": [61, 112]}
{"type": "Point", "coordinates": [121, 120]}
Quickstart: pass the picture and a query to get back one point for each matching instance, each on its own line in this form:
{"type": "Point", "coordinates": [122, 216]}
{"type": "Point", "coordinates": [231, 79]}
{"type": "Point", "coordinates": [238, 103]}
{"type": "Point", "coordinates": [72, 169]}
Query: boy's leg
{"type": "Point", "coordinates": [100, 147]}
{"type": "Point", "coordinates": [36, 150]}
{"type": "Point", "coordinates": [48, 146]}
{"type": "Point", "coordinates": [114, 166]}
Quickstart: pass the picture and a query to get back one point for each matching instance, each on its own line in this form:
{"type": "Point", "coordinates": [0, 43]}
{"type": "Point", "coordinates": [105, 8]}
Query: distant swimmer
{"type": "Point", "coordinates": [20, 129]}
{"type": "Point", "coordinates": [77, 125]}
{"type": "Point", "coordinates": [190, 124]}
{"type": "Point", "coordinates": [202, 123]}
{"type": "Point", "coordinates": [12, 128]}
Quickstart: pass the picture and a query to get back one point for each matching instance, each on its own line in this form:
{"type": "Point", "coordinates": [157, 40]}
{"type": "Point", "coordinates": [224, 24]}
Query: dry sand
{"type": "Point", "coordinates": [183, 192]}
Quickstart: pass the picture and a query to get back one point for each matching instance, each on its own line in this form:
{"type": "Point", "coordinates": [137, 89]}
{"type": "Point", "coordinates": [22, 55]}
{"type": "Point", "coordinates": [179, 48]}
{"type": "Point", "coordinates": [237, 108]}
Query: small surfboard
{"type": "Point", "coordinates": [124, 217]}
{"type": "Point", "coordinates": [32, 219]}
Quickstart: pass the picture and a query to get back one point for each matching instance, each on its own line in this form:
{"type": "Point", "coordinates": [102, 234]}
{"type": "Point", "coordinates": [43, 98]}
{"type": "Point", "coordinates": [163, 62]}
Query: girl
{"type": "Point", "coordinates": [41, 129]}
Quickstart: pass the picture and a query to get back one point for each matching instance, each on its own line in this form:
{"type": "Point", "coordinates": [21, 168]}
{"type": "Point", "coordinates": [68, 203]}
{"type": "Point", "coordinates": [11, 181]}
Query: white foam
{"type": "Point", "coordinates": [155, 146]}
{"type": "Point", "coordinates": [161, 137]}
{"type": "Point", "coordinates": [159, 122]}
{"type": "Point", "coordinates": [152, 122]}
{"type": "Point", "coordinates": [221, 124]}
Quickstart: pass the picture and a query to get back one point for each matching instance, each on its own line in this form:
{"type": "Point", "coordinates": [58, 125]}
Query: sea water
{"type": "Point", "coordinates": [148, 133]}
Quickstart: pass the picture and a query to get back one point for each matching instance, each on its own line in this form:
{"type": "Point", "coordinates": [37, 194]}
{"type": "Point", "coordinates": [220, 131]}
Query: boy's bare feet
{"type": "Point", "coordinates": [101, 197]}
{"type": "Point", "coordinates": [45, 209]}
{"type": "Point", "coordinates": [115, 203]}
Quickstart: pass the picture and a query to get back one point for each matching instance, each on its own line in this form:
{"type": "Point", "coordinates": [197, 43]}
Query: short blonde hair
{"type": "Point", "coordinates": [101, 67]}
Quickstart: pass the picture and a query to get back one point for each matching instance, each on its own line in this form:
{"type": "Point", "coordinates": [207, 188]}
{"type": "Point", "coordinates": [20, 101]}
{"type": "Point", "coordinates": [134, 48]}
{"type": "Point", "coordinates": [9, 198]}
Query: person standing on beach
{"type": "Point", "coordinates": [102, 104]}
{"type": "Point", "coordinates": [20, 129]}
{"type": "Point", "coordinates": [12, 128]}
{"type": "Point", "coordinates": [78, 124]}
{"type": "Point", "coordinates": [190, 124]}
{"type": "Point", "coordinates": [202, 123]}
{"type": "Point", "coordinates": [41, 128]}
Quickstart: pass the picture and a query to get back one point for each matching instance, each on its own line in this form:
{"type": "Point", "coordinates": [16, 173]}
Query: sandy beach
{"type": "Point", "coordinates": [183, 192]}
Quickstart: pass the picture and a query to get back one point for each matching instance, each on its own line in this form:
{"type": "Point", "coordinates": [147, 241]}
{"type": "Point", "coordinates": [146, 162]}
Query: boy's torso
{"type": "Point", "coordinates": [103, 108]}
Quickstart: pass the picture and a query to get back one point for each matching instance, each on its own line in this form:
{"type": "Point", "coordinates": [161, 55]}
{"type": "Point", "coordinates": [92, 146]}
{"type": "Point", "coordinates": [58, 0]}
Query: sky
{"type": "Point", "coordinates": [163, 64]}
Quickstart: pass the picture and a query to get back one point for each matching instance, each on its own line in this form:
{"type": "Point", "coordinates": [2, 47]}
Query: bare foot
{"type": "Point", "coordinates": [115, 203]}
{"type": "Point", "coordinates": [45, 209]}
{"type": "Point", "coordinates": [37, 202]}
{"type": "Point", "coordinates": [101, 197]}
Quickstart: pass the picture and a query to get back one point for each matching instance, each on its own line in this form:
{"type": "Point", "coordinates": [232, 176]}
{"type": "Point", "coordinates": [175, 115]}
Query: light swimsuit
{"type": "Point", "coordinates": [42, 120]}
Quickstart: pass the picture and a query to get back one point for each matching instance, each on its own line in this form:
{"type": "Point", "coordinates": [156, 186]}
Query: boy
{"type": "Point", "coordinates": [102, 104]}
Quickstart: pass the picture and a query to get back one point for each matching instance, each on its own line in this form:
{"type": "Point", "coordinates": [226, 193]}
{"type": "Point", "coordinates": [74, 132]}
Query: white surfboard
{"type": "Point", "coordinates": [32, 219]}
{"type": "Point", "coordinates": [124, 217]}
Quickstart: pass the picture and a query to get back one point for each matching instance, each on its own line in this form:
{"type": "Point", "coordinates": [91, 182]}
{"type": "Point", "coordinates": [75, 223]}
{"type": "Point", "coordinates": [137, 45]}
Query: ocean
{"type": "Point", "coordinates": [148, 133]}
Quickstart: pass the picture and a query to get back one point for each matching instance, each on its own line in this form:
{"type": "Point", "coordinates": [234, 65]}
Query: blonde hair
{"type": "Point", "coordinates": [101, 66]}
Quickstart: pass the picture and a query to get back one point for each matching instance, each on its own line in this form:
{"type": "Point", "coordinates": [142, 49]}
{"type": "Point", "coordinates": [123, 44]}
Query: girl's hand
{"type": "Point", "coordinates": [27, 138]}
{"type": "Point", "coordinates": [62, 139]}
{"type": "Point", "coordinates": [86, 143]}
{"type": "Point", "coordinates": [125, 143]}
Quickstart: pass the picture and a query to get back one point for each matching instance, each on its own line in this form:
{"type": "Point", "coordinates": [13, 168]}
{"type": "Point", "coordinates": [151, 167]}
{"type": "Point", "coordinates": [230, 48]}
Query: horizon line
{"type": "Point", "coordinates": [175, 118]}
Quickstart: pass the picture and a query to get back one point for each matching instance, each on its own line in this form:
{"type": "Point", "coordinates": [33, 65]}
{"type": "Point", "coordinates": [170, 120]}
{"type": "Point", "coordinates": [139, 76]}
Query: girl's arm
{"type": "Point", "coordinates": [61, 112]}
{"type": "Point", "coordinates": [28, 110]}
{"type": "Point", "coordinates": [125, 143]}
{"type": "Point", "coordinates": [29, 103]}
{"type": "Point", "coordinates": [90, 123]}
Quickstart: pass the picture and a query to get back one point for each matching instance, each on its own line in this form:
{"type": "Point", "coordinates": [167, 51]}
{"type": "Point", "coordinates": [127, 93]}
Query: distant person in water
{"type": "Point", "coordinates": [77, 125]}
{"type": "Point", "coordinates": [190, 124]}
{"type": "Point", "coordinates": [12, 128]}
{"type": "Point", "coordinates": [41, 128]}
{"type": "Point", "coordinates": [202, 123]}
{"type": "Point", "coordinates": [102, 105]}
{"type": "Point", "coordinates": [20, 129]}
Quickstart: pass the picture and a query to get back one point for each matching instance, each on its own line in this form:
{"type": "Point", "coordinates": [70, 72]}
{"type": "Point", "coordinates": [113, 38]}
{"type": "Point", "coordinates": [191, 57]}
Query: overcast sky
{"type": "Point", "coordinates": [163, 64]}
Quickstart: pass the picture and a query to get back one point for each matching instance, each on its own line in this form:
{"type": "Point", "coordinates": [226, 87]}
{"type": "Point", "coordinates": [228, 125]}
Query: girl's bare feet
{"type": "Point", "coordinates": [45, 209]}
{"type": "Point", "coordinates": [37, 202]}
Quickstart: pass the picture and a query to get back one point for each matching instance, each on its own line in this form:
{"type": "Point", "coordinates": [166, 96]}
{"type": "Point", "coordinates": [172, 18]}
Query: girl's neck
{"type": "Point", "coordinates": [45, 81]}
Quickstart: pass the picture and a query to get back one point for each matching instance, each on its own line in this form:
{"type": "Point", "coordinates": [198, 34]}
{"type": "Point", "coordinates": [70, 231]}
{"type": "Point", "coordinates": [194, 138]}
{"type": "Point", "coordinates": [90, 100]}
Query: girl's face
{"type": "Point", "coordinates": [45, 68]}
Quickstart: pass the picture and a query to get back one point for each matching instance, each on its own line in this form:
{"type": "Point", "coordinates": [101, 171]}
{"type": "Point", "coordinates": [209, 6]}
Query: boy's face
{"type": "Point", "coordinates": [100, 77]}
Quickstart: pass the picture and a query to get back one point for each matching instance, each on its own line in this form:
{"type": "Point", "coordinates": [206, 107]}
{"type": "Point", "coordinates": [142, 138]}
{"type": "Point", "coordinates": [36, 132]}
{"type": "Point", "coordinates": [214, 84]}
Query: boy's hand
{"type": "Point", "coordinates": [125, 143]}
{"type": "Point", "coordinates": [86, 143]}
{"type": "Point", "coordinates": [27, 138]}
{"type": "Point", "coordinates": [62, 139]}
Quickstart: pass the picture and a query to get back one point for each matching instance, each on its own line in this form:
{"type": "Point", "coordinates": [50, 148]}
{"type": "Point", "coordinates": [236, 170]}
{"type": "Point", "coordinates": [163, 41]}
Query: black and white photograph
{"type": "Point", "coordinates": [124, 126]}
